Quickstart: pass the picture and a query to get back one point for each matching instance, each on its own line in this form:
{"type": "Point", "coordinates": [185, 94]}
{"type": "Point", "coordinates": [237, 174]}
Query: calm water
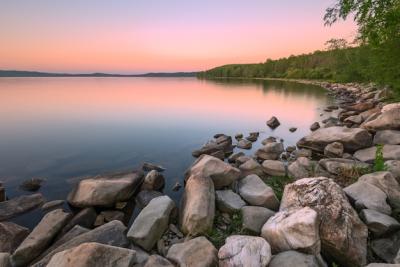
{"type": "Point", "coordinates": [61, 129]}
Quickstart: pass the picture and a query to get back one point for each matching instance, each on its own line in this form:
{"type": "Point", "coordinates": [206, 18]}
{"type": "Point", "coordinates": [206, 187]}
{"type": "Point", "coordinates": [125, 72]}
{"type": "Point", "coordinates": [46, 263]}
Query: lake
{"type": "Point", "coordinates": [61, 129]}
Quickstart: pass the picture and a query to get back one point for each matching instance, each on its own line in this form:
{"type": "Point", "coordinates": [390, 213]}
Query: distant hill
{"type": "Point", "coordinates": [18, 73]}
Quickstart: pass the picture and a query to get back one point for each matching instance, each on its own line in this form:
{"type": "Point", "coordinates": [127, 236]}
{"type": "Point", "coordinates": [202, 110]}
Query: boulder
{"type": "Point", "coordinates": [40, 237]}
{"type": "Point", "coordinates": [367, 196]}
{"type": "Point", "coordinates": [268, 140]}
{"type": "Point", "coordinates": [253, 218]}
{"type": "Point", "coordinates": [378, 223]}
{"type": "Point", "coordinates": [252, 137]}
{"type": "Point", "coordinates": [55, 204]}
{"type": "Point", "coordinates": [11, 235]}
{"type": "Point", "coordinates": [273, 122]}
{"type": "Point", "coordinates": [228, 201]}
{"type": "Point", "coordinates": [153, 181]}
{"type": "Point", "coordinates": [386, 182]}
{"type": "Point", "coordinates": [274, 167]}
{"type": "Point", "coordinates": [390, 152]}
{"type": "Point", "coordinates": [388, 120]}
{"type": "Point", "coordinates": [221, 173]}
{"type": "Point", "coordinates": [242, 159]}
{"type": "Point", "coordinates": [197, 206]}
{"type": "Point", "coordinates": [222, 143]}
{"type": "Point", "coordinates": [93, 255]}
{"type": "Point", "coordinates": [298, 153]}
{"type": "Point", "coordinates": [386, 248]}
{"type": "Point", "coordinates": [351, 138]}
{"type": "Point", "coordinates": [292, 129]}
{"type": "Point", "coordinates": [241, 250]}
{"type": "Point", "coordinates": [257, 193]}
{"type": "Point", "coordinates": [343, 235]}
{"type": "Point", "coordinates": [393, 166]}
{"type": "Point", "coordinates": [244, 144]}
{"type": "Point", "coordinates": [158, 261]}
{"type": "Point", "coordinates": [197, 252]}
{"type": "Point", "coordinates": [16, 206]}
{"type": "Point", "coordinates": [296, 259]}
{"type": "Point", "coordinates": [360, 107]}
{"type": "Point", "coordinates": [112, 233]}
{"type": "Point", "coordinates": [387, 137]}
{"type": "Point", "coordinates": [315, 126]}
{"type": "Point", "coordinates": [270, 151]}
{"type": "Point", "coordinates": [5, 259]}
{"type": "Point", "coordinates": [144, 197]}
{"type": "Point", "coordinates": [301, 168]}
{"type": "Point", "coordinates": [334, 150]}
{"type": "Point", "coordinates": [232, 158]}
{"type": "Point", "coordinates": [85, 218]}
{"type": "Point", "coordinates": [105, 190]}
{"type": "Point", "coordinates": [147, 166]}
{"type": "Point", "coordinates": [251, 166]}
{"type": "Point", "coordinates": [151, 223]}
{"type": "Point", "coordinates": [294, 229]}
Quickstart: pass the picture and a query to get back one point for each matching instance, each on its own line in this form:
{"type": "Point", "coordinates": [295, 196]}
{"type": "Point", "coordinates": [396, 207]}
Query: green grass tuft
{"type": "Point", "coordinates": [278, 183]}
{"type": "Point", "coordinates": [379, 163]}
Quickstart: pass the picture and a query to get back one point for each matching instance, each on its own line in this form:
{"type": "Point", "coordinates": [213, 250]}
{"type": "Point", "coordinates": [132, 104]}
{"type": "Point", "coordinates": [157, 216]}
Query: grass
{"type": "Point", "coordinates": [217, 236]}
{"type": "Point", "coordinates": [278, 183]}
{"type": "Point", "coordinates": [379, 162]}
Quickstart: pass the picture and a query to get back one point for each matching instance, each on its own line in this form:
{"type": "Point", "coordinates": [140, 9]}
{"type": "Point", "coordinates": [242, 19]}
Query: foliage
{"type": "Point", "coordinates": [379, 163]}
{"type": "Point", "coordinates": [278, 183]}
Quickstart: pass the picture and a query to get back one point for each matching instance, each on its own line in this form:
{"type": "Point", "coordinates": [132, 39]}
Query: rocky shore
{"type": "Point", "coordinates": [332, 200]}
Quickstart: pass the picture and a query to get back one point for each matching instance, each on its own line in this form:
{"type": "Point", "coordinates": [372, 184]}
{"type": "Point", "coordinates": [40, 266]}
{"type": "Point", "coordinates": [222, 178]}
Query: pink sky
{"type": "Point", "coordinates": [126, 37]}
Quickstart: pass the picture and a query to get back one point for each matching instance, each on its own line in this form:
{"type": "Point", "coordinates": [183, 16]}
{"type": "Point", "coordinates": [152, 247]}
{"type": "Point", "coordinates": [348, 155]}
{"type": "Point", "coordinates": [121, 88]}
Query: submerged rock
{"type": "Point", "coordinates": [33, 184]}
{"type": "Point", "coordinates": [241, 250]}
{"type": "Point", "coordinates": [105, 190]}
{"type": "Point", "coordinates": [16, 206]}
{"type": "Point", "coordinates": [343, 235]}
{"type": "Point", "coordinates": [92, 255]}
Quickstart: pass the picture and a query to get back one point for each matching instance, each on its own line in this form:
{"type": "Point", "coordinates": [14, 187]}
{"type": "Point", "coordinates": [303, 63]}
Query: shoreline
{"type": "Point", "coordinates": [239, 198]}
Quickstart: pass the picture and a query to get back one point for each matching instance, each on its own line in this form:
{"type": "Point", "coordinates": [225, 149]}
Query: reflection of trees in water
{"type": "Point", "coordinates": [284, 87]}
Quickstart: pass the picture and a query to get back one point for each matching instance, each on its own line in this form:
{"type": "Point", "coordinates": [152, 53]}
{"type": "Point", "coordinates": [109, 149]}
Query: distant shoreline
{"type": "Point", "coordinates": [17, 73]}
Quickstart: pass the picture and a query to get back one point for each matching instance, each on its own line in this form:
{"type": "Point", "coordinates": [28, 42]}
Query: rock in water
{"type": "Point", "coordinates": [198, 206]}
{"type": "Point", "coordinates": [296, 259]}
{"type": "Point", "coordinates": [257, 193]}
{"type": "Point", "coordinates": [294, 229]}
{"type": "Point", "coordinates": [151, 222]}
{"type": "Point", "coordinates": [221, 173]}
{"type": "Point", "coordinates": [351, 138]}
{"type": "Point", "coordinates": [105, 190]}
{"type": "Point", "coordinates": [197, 252]}
{"type": "Point", "coordinates": [93, 255]}
{"type": "Point", "coordinates": [11, 235]}
{"type": "Point", "coordinates": [241, 250]}
{"type": "Point", "coordinates": [273, 122]}
{"type": "Point", "coordinates": [315, 126]}
{"type": "Point", "coordinates": [244, 144]}
{"type": "Point", "coordinates": [343, 235]}
{"type": "Point", "coordinates": [153, 181]}
{"type": "Point", "coordinates": [270, 151]}
{"type": "Point", "coordinates": [41, 236]}
{"type": "Point", "coordinates": [16, 206]}
{"type": "Point", "coordinates": [112, 233]}
{"type": "Point", "coordinates": [150, 166]}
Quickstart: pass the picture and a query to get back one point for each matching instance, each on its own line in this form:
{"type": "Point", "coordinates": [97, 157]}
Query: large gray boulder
{"type": "Point", "coordinates": [105, 190]}
{"type": "Point", "coordinates": [296, 259]}
{"type": "Point", "coordinates": [367, 196]}
{"type": "Point", "coordinates": [84, 218]}
{"type": "Point", "coordinates": [387, 137]}
{"type": "Point", "coordinates": [93, 255]}
{"type": "Point", "coordinates": [40, 237]}
{"type": "Point", "coordinates": [390, 152]}
{"type": "Point", "coordinates": [144, 197]}
{"type": "Point", "coordinates": [251, 166]}
{"type": "Point", "coordinates": [257, 193]}
{"type": "Point", "coordinates": [274, 167]}
{"type": "Point", "coordinates": [386, 182]}
{"type": "Point", "coordinates": [154, 180]}
{"type": "Point", "coordinates": [221, 173]}
{"type": "Point", "coordinates": [270, 151]}
{"type": "Point", "coordinates": [253, 218]}
{"type": "Point", "coordinates": [343, 235]}
{"type": "Point", "coordinates": [334, 150]}
{"type": "Point", "coordinates": [16, 206]}
{"type": "Point", "coordinates": [11, 235]}
{"type": "Point", "coordinates": [351, 138]}
{"type": "Point", "coordinates": [151, 223]}
{"type": "Point", "coordinates": [378, 223]}
{"type": "Point", "coordinates": [388, 120]}
{"type": "Point", "coordinates": [112, 233]}
{"type": "Point", "coordinates": [197, 252]}
{"type": "Point", "coordinates": [294, 229]}
{"type": "Point", "coordinates": [228, 201]}
{"type": "Point", "coordinates": [386, 248]}
{"type": "Point", "coordinates": [241, 250]}
{"type": "Point", "coordinates": [197, 206]}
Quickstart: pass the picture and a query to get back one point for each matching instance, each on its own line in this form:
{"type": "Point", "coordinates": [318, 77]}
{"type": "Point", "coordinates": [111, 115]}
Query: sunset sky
{"type": "Point", "coordinates": [126, 36]}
